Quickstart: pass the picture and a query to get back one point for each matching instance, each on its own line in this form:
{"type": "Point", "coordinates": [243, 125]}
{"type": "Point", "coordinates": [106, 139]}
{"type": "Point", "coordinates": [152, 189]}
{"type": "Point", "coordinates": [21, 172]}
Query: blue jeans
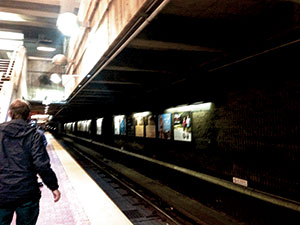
{"type": "Point", "coordinates": [27, 213]}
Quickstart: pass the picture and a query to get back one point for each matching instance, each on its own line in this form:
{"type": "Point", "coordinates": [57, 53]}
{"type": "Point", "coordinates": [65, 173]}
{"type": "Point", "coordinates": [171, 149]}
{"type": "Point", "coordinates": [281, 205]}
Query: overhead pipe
{"type": "Point", "coordinates": [255, 55]}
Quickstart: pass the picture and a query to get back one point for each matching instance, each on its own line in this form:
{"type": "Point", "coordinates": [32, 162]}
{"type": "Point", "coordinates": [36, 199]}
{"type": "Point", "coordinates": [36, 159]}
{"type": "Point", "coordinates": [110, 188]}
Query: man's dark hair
{"type": "Point", "coordinates": [19, 109]}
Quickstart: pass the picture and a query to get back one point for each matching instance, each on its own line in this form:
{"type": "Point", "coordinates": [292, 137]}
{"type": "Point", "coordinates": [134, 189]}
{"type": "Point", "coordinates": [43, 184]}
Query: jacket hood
{"type": "Point", "coordinates": [16, 128]}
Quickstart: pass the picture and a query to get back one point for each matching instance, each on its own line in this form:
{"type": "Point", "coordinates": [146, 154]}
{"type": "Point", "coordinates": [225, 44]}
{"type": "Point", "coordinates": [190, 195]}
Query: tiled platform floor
{"type": "Point", "coordinates": [71, 210]}
{"type": "Point", "coordinates": [68, 210]}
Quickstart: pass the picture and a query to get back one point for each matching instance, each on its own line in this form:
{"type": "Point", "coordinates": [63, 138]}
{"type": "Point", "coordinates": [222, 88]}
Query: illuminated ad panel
{"type": "Point", "coordinates": [150, 126]}
{"type": "Point", "coordinates": [140, 123]}
{"type": "Point", "coordinates": [139, 127]}
{"type": "Point", "coordinates": [120, 125]}
{"type": "Point", "coordinates": [164, 126]}
{"type": "Point", "coordinates": [99, 126]}
{"type": "Point", "coordinates": [182, 126]}
{"type": "Point", "coordinates": [84, 125]}
{"type": "Point", "coordinates": [87, 124]}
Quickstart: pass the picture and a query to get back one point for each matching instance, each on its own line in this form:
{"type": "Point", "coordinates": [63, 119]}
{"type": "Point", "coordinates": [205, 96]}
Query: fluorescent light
{"type": "Point", "coordinates": [5, 16]}
{"type": "Point", "coordinates": [119, 117]}
{"type": "Point", "coordinates": [11, 35]}
{"type": "Point", "coordinates": [142, 114]}
{"type": "Point", "coordinates": [45, 49]}
{"type": "Point", "coordinates": [195, 107]}
{"type": "Point", "coordinates": [10, 40]}
{"type": "Point", "coordinates": [10, 45]}
{"type": "Point", "coordinates": [39, 116]}
{"type": "Point", "coordinates": [67, 23]}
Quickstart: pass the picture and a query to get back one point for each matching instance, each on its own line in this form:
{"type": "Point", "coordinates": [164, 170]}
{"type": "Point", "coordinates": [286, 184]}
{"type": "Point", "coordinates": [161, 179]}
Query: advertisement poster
{"type": "Point", "coordinates": [130, 126]}
{"type": "Point", "coordinates": [139, 127]}
{"type": "Point", "coordinates": [120, 125]}
{"type": "Point", "coordinates": [164, 126]}
{"type": "Point", "coordinates": [150, 126]}
{"type": "Point", "coordinates": [84, 125]}
{"type": "Point", "coordinates": [99, 126]}
{"type": "Point", "coordinates": [123, 126]}
{"type": "Point", "coordinates": [182, 126]}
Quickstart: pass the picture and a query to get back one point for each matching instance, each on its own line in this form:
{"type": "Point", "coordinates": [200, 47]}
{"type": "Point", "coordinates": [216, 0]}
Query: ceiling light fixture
{"type": "Point", "coordinates": [45, 45]}
{"type": "Point", "coordinates": [60, 60]}
{"type": "Point", "coordinates": [194, 107]}
{"type": "Point", "coordinates": [55, 78]}
{"type": "Point", "coordinates": [10, 45]}
{"type": "Point", "coordinates": [10, 41]}
{"type": "Point", "coordinates": [11, 35]}
{"type": "Point", "coordinates": [5, 16]}
{"type": "Point", "coordinates": [67, 23]}
{"type": "Point", "coordinates": [46, 49]}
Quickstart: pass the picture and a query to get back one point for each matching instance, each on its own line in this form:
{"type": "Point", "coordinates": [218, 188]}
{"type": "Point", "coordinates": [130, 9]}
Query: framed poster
{"type": "Point", "coordinates": [139, 126]}
{"type": "Point", "coordinates": [119, 125]}
{"type": "Point", "coordinates": [73, 125]}
{"type": "Point", "coordinates": [84, 125]}
{"type": "Point", "coordinates": [164, 126]}
{"type": "Point", "coordinates": [150, 126]}
{"type": "Point", "coordinates": [130, 126]}
{"type": "Point", "coordinates": [123, 125]}
{"type": "Point", "coordinates": [88, 125]}
{"type": "Point", "coordinates": [182, 126]}
{"type": "Point", "coordinates": [99, 126]}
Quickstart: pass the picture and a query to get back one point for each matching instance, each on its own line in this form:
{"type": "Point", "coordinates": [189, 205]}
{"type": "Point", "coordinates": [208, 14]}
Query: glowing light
{"type": "Point", "coordinates": [5, 16]}
{"type": "Point", "coordinates": [60, 60]}
{"type": "Point", "coordinates": [67, 24]}
{"type": "Point", "coordinates": [142, 114]}
{"type": "Point", "coordinates": [10, 45]}
{"type": "Point", "coordinates": [45, 49]}
{"type": "Point", "coordinates": [11, 35]}
{"type": "Point", "coordinates": [55, 78]}
{"type": "Point", "coordinates": [40, 116]}
{"type": "Point", "coordinates": [194, 107]}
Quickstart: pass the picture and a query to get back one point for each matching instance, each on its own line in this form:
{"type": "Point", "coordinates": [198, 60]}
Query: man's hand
{"type": "Point", "coordinates": [56, 195]}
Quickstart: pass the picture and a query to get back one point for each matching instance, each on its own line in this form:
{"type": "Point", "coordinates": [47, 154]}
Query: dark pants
{"type": "Point", "coordinates": [27, 213]}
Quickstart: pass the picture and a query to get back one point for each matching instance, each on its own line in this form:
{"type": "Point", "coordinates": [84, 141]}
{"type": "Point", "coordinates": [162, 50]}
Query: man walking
{"type": "Point", "coordinates": [22, 156]}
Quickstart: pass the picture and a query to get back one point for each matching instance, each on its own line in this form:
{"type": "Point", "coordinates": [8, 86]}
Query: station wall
{"type": "Point", "coordinates": [253, 135]}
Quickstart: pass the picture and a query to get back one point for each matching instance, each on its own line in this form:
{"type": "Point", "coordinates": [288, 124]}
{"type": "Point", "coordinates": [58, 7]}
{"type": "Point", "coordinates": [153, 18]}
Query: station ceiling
{"type": "Point", "coordinates": [190, 51]}
{"type": "Point", "coordinates": [37, 21]}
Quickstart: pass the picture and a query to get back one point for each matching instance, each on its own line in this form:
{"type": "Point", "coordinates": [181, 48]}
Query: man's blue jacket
{"type": "Point", "coordinates": [22, 156]}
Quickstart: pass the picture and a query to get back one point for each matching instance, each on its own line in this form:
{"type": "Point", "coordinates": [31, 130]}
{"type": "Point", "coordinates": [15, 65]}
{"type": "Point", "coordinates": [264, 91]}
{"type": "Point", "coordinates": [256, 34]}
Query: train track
{"type": "Point", "coordinates": [200, 202]}
{"type": "Point", "coordinates": [140, 208]}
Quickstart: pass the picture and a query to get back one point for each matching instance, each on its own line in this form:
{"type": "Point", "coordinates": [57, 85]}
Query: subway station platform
{"type": "Point", "coordinates": [82, 201]}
